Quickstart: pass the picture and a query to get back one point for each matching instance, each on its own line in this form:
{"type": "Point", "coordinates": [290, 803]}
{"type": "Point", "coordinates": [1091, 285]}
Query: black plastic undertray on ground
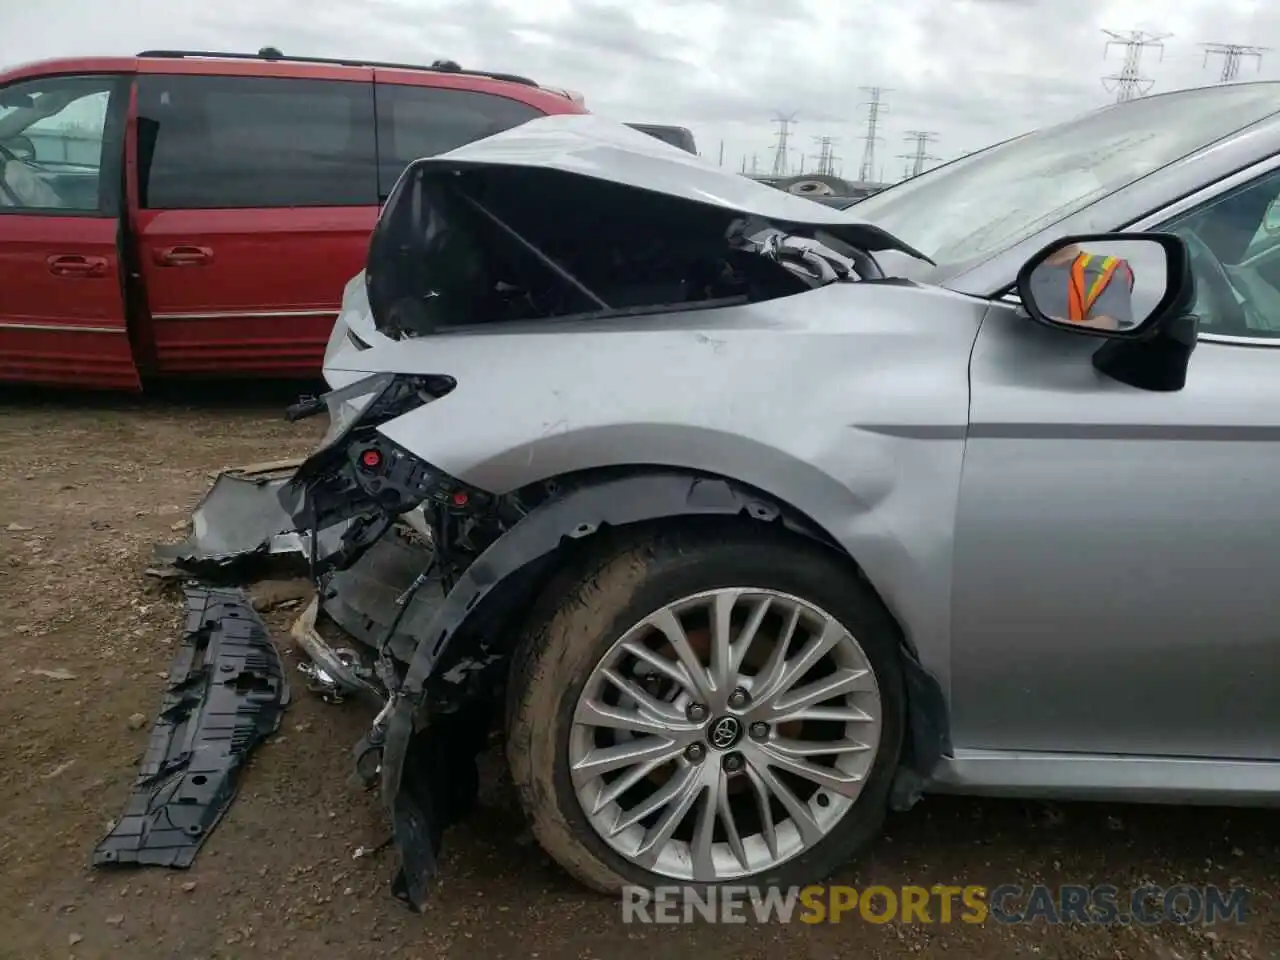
{"type": "Point", "coordinates": [226, 693]}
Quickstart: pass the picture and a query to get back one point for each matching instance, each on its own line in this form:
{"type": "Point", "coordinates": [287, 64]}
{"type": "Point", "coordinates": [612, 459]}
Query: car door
{"type": "Point", "coordinates": [255, 197]}
{"type": "Point", "coordinates": [1116, 549]}
{"type": "Point", "coordinates": [62, 312]}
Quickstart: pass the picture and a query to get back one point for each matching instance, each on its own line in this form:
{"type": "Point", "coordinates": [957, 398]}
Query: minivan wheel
{"type": "Point", "coordinates": [722, 706]}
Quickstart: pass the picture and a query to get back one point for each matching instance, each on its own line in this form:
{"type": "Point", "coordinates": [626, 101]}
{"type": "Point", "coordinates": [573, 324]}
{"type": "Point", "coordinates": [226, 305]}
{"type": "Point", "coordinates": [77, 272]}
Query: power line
{"type": "Point", "coordinates": [826, 158]}
{"type": "Point", "coordinates": [1129, 83]}
{"type": "Point", "coordinates": [875, 104]}
{"type": "Point", "coordinates": [1232, 54]}
{"type": "Point", "coordinates": [780, 152]}
{"type": "Point", "coordinates": [921, 155]}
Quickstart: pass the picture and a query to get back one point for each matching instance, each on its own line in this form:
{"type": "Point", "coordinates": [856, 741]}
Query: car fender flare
{"type": "Point", "coordinates": [582, 511]}
{"type": "Point", "coordinates": [412, 787]}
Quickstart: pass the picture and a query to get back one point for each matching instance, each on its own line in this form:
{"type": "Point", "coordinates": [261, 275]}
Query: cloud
{"type": "Point", "coordinates": [969, 72]}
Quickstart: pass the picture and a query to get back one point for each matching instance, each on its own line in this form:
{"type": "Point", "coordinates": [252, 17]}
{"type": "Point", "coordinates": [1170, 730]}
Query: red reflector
{"type": "Point", "coordinates": [371, 458]}
{"type": "Point", "coordinates": [460, 498]}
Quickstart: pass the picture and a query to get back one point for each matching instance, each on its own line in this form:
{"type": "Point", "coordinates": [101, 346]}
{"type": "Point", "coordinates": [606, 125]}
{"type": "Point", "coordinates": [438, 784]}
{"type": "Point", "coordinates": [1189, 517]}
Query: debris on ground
{"type": "Point", "coordinates": [268, 595]}
{"type": "Point", "coordinates": [226, 693]}
{"type": "Point", "coordinates": [59, 770]}
{"type": "Point", "coordinates": [55, 673]}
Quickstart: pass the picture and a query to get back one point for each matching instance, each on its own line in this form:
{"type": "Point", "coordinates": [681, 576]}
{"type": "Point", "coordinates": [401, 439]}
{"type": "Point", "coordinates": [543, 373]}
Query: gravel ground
{"type": "Point", "coordinates": [88, 484]}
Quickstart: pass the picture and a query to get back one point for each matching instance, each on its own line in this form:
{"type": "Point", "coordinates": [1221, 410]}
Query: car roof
{"type": "Point", "coordinates": [270, 62]}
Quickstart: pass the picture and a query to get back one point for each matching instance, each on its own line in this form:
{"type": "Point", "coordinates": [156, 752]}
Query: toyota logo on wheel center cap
{"type": "Point", "coordinates": [725, 733]}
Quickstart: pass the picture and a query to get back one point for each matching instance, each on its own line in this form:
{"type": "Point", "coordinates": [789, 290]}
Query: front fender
{"type": "Point", "coordinates": [580, 512]}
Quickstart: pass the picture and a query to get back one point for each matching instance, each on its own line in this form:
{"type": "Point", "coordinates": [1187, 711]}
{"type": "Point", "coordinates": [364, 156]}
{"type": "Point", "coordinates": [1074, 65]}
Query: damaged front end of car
{"type": "Point", "coordinates": [551, 224]}
{"type": "Point", "coordinates": [384, 579]}
{"type": "Point", "coordinates": [433, 590]}
{"type": "Point", "coordinates": [397, 549]}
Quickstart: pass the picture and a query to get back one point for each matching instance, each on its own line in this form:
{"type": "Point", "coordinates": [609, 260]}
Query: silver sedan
{"type": "Point", "coordinates": [752, 518]}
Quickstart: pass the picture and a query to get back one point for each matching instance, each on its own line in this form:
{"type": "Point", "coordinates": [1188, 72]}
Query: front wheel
{"type": "Point", "coordinates": [711, 707]}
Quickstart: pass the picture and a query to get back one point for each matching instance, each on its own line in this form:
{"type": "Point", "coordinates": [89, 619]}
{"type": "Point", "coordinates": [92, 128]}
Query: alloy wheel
{"type": "Point", "coordinates": [724, 734]}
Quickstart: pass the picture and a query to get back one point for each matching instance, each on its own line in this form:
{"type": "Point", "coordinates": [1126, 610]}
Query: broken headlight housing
{"type": "Point", "coordinates": [361, 478]}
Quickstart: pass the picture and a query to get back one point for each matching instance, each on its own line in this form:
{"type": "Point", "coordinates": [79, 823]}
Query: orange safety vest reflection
{"type": "Point", "coordinates": [1080, 300]}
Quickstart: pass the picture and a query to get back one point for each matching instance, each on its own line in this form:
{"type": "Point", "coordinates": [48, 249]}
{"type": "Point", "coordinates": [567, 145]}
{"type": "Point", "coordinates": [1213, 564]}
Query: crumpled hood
{"type": "Point", "coordinates": [591, 146]}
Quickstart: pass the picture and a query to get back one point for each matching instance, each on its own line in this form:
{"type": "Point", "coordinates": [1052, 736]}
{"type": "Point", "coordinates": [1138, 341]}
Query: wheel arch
{"type": "Point", "coordinates": [512, 567]}
{"type": "Point", "coordinates": [488, 603]}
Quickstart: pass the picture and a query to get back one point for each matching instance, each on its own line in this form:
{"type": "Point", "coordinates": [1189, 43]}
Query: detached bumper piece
{"type": "Point", "coordinates": [226, 693]}
{"type": "Point", "coordinates": [240, 529]}
{"type": "Point", "coordinates": [239, 519]}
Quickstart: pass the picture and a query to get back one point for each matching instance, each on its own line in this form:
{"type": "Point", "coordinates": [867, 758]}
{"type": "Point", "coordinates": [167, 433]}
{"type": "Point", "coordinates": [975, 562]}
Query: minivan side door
{"type": "Point", "coordinates": [253, 200]}
{"type": "Point", "coordinates": [62, 305]}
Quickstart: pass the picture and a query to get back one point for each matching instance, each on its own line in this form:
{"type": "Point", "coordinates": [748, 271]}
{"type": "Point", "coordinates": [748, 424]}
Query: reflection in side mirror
{"type": "Point", "coordinates": [1111, 285]}
{"type": "Point", "coordinates": [1105, 285]}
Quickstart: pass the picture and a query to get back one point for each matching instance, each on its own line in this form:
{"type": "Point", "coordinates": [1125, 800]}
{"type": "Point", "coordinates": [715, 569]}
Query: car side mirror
{"type": "Point", "coordinates": [1119, 286]}
{"type": "Point", "coordinates": [16, 100]}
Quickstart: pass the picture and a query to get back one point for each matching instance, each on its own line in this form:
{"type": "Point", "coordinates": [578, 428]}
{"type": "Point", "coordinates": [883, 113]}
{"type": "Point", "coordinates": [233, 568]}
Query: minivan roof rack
{"type": "Point", "coordinates": [273, 53]}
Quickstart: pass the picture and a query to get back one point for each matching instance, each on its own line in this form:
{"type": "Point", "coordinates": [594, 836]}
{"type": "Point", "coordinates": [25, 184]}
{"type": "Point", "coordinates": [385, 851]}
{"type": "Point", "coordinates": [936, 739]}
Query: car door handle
{"type": "Point", "coordinates": [184, 256]}
{"type": "Point", "coordinates": [73, 265]}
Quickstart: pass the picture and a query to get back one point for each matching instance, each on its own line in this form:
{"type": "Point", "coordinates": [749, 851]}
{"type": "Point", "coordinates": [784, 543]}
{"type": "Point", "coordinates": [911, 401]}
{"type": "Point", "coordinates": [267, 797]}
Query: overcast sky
{"type": "Point", "coordinates": [970, 71]}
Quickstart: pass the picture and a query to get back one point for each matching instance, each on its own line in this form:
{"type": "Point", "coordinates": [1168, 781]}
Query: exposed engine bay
{"type": "Point", "coordinates": [471, 247]}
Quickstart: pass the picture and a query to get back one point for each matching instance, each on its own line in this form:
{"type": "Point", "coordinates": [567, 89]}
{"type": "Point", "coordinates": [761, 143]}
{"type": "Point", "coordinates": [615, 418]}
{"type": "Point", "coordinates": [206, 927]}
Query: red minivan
{"type": "Point", "coordinates": [188, 213]}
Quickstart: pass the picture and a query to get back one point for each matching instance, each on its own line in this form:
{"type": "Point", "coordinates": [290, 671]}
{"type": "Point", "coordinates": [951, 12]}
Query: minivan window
{"type": "Point", "coordinates": [416, 122]}
{"type": "Point", "coordinates": [247, 142]}
{"type": "Point", "coordinates": [986, 202]}
{"type": "Point", "coordinates": [680, 137]}
{"type": "Point", "coordinates": [52, 135]}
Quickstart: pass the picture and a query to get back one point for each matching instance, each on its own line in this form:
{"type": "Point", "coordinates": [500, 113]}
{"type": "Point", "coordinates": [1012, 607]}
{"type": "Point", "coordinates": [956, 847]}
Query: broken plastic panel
{"type": "Point", "coordinates": [365, 598]}
{"type": "Point", "coordinates": [226, 693]}
{"type": "Point", "coordinates": [240, 520]}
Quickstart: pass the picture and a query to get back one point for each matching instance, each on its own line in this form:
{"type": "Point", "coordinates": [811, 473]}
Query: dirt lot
{"type": "Point", "coordinates": [87, 485]}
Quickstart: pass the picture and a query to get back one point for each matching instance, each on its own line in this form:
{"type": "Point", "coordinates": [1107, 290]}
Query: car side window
{"type": "Point", "coordinates": [416, 122]}
{"type": "Point", "coordinates": [209, 142]}
{"type": "Point", "coordinates": [54, 142]}
{"type": "Point", "coordinates": [1235, 257]}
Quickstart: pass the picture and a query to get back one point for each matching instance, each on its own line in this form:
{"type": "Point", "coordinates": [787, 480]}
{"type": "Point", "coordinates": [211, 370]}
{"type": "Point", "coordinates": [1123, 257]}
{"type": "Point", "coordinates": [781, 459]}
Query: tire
{"type": "Point", "coordinates": [598, 599]}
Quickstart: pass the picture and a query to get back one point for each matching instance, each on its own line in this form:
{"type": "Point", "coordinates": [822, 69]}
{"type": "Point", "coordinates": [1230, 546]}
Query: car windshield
{"type": "Point", "coordinates": [991, 200]}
